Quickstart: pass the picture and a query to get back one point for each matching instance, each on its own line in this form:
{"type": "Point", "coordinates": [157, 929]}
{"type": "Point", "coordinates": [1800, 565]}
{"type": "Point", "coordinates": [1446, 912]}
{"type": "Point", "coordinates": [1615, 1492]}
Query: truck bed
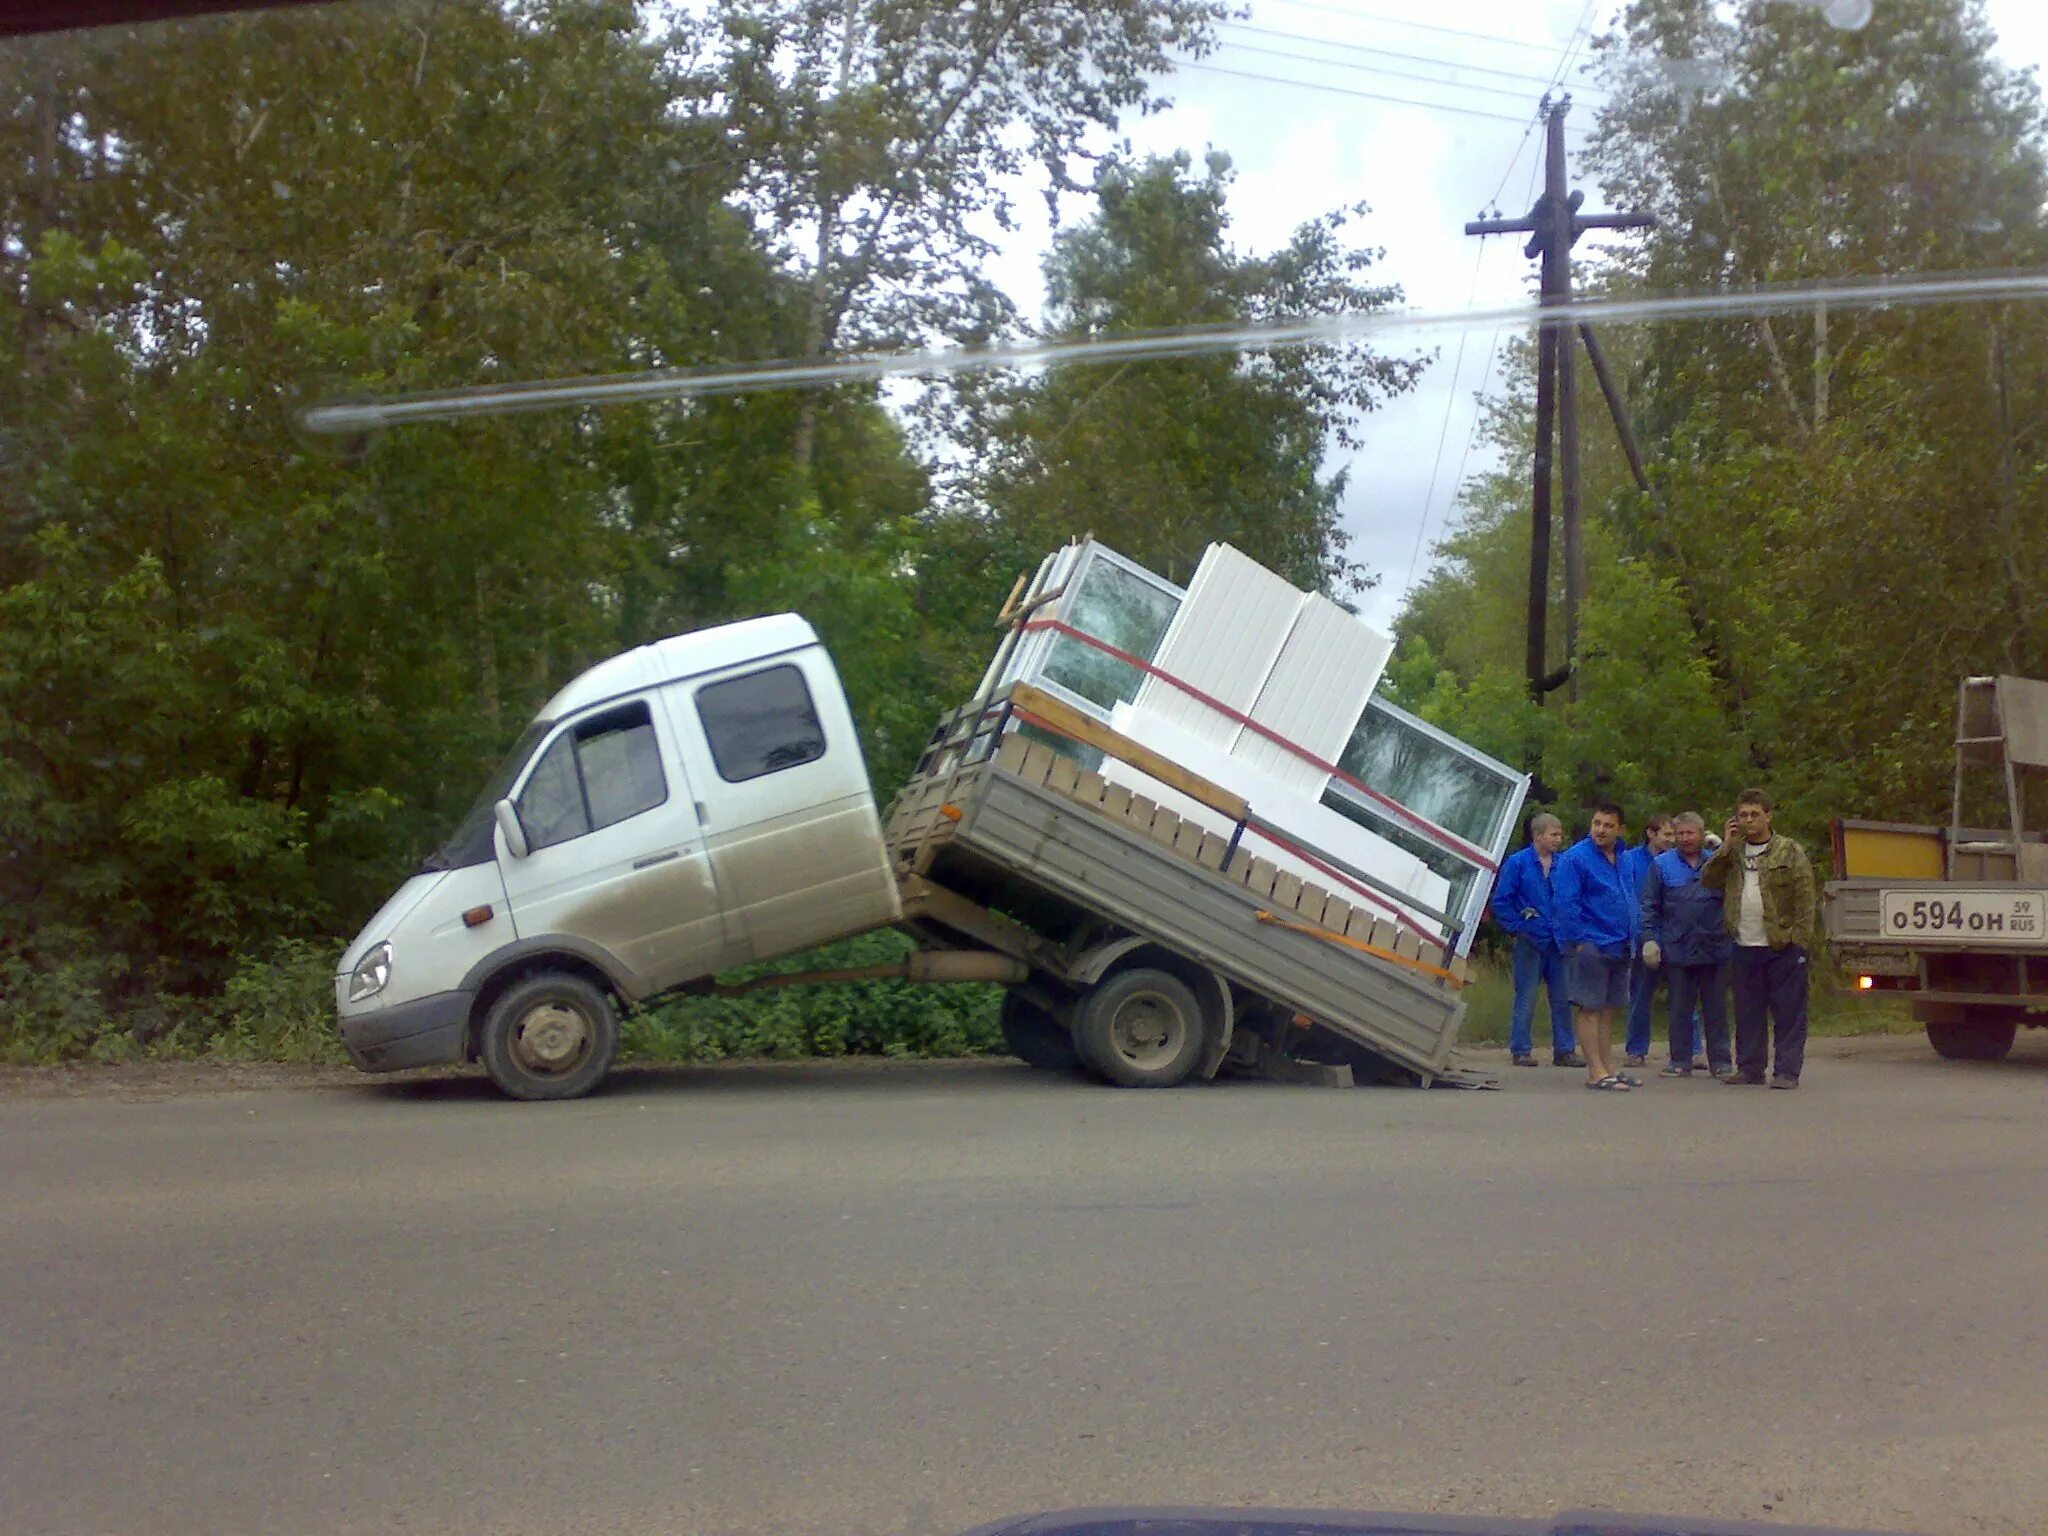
{"type": "Point", "coordinates": [1967, 961]}
{"type": "Point", "coordinates": [1055, 848]}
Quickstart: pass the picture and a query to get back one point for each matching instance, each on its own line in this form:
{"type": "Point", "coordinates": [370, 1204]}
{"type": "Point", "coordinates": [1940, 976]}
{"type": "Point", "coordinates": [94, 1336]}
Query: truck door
{"type": "Point", "coordinates": [615, 854]}
{"type": "Point", "coordinates": [789, 818]}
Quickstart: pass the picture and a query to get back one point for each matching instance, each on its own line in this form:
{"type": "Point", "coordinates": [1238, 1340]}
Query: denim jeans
{"type": "Point", "coordinates": [1534, 963]}
{"type": "Point", "coordinates": [1642, 991]}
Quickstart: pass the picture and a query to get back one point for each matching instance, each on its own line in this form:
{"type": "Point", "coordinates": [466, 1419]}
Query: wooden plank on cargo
{"type": "Point", "coordinates": [1407, 945]}
{"type": "Point", "coordinates": [1384, 934]}
{"type": "Point", "coordinates": [1165, 826]}
{"type": "Point", "coordinates": [1286, 890]}
{"type": "Point", "coordinates": [1336, 913]}
{"type": "Point", "coordinates": [1359, 924]}
{"type": "Point", "coordinates": [1010, 755]}
{"type": "Point", "coordinates": [1139, 814]}
{"type": "Point", "coordinates": [1187, 842]}
{"type": "Point", "coordinates": [1086, 729]}
{"type": "Point", "coordinates": [1037, 763]}
{"type": "Point", "coordinates": [1309, 904]}
{"type": "Point", "coordinates": [1258, 877]}
{"type": "Point", "coordinates": [1064, 774]}
{"type": "Point", "coordinates": [1088, 788]}
{"type": "Point", "coordinates": [1210, 854]}
{"type": "Point", "coordinates": [1116, 801]}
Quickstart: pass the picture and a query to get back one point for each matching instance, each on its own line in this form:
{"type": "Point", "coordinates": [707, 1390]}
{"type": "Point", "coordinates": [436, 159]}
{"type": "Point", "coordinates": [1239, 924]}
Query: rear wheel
{"type": "Point", "coordinates": [1140, 1029]}
{"type": "Point", "coordinates": [1035, 1037]}
{"type": "Point", "coordinates": [1978, 1040]}
{"type": "Point", "coordinates": [551, 1036]}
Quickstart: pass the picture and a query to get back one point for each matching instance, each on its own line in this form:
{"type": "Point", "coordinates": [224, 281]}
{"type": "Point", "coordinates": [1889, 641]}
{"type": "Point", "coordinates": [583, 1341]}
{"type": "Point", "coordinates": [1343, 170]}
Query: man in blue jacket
{"type": "Point", "coordinates": [1642, 980]}
{"type": "Point", "coordinates": [1684, 933]}
{"type": "Point", "coordinates": [1596, 919]}
{"type": "Point", "coordinates": [1522, 905]}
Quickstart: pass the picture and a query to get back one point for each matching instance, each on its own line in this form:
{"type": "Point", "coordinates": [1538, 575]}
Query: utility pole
{"type": "Point", "coordinates": [1553, 227]}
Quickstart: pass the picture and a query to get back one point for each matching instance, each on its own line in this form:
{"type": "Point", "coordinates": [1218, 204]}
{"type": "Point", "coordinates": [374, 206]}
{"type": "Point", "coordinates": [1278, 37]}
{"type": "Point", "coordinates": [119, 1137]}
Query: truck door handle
{"type": "Point", "coordinates": [657, 858]}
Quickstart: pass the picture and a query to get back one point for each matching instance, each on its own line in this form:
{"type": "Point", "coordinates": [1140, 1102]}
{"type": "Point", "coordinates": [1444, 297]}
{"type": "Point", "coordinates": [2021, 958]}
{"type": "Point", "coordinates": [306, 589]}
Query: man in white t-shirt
{"type": "Point", "coordinates": [1768, 902]}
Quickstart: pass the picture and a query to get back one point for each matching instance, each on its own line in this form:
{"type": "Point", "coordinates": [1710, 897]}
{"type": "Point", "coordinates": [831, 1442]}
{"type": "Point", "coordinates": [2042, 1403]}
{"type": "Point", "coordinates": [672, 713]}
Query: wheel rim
{"type": "Point", "coordinates": [553, 1039]}
{"type": "Point", "coordinates": [1148, 1031]}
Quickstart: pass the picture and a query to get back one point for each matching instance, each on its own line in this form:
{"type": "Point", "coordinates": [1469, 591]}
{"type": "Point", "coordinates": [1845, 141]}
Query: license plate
{"type": "Point", "coordinates": [1977, 917]}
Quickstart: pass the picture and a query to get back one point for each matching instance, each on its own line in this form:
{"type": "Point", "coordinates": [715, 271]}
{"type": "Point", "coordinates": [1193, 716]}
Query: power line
{"type": "Point", "coordinates": [1485, 374]}
{"type": "Point", "coordinates": [1342, 90]}
{"type": "Point", "coordinates": [1376, 69]}
{"type": "Point", "coordinates": [1386, 53]}
{"type": "Point", "coordinates": [1571, 46]}
{"type": "Point", "coordinates": [1443, 435]}
{"type": "Point", "coordinates": [1419, 26]}
{"type": "Point", "coordinates": [1514, 160]}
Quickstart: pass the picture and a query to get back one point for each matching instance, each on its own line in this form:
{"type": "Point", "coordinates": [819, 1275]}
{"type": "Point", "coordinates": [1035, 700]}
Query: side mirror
{"type": "Point", "coordinates": [508, 823]}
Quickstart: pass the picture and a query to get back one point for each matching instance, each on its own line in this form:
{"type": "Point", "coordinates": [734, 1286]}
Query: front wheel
{"type": "Point", "coordinates": [1972, 1042]}
{"type": "Point", "coordinates": [551, 1036]}
{"type": "Point", "coordinates": [1140, 1029]}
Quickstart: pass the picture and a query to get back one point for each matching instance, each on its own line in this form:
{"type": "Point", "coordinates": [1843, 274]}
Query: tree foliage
{"type": "Point", "coordinates": [1159, 458]}
{"type": "Point", "coordinates": [1848, 513]}
{"type": "Point", "coordinates": [881, 143]}
{"type": "Point", "coordinates": [245, 679]}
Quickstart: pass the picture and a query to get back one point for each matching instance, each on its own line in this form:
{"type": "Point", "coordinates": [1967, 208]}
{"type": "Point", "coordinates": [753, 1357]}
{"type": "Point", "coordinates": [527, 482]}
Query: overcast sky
{"type": "Point", "coordinates": [1425, 169]}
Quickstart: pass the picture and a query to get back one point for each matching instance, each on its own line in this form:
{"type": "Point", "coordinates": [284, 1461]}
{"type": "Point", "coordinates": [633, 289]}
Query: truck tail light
{"type": "Point", "coordinates": [1865, 983]}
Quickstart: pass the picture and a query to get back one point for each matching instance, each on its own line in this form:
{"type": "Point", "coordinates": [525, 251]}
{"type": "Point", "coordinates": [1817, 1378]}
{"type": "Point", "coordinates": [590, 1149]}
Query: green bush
{"type": "Point", "coordinates": [52, 996]}
{"type": "Point", "coordinates": [874, 1018]}
{"type": "Point", "coordinates": [279, 1006]}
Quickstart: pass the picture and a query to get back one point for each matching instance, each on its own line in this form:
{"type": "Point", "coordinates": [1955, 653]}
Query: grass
{"type": "Point", "coordinates": [1831, 1011]}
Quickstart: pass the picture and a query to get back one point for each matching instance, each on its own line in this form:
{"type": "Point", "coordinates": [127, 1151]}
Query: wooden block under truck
{"type": "Point", "coordinates": [1956, 917]}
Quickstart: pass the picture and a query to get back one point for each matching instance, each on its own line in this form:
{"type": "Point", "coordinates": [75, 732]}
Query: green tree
{"type": "Point", "coordinates": [245, 679]}
{"type": "Point", "coordinates": [1159, 458]}
{"type": "Point", "coordinates": [881, 141]}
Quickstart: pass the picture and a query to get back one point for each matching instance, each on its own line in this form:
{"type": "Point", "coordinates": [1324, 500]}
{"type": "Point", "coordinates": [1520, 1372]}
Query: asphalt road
{"type": "Point", "coordinates": [902, 1300]}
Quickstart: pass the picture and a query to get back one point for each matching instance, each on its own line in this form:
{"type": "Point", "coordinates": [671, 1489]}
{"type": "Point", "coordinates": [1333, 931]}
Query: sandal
{"type": "Point", "coordinates": [1610, 1085]}
{"type": "Point", "coordinates": [1626, 1081]}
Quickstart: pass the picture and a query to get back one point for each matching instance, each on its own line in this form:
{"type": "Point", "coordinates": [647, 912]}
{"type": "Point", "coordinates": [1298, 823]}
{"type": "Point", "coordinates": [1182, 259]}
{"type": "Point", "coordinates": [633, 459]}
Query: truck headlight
{"type": "Point", "coordinates": [372, 973]}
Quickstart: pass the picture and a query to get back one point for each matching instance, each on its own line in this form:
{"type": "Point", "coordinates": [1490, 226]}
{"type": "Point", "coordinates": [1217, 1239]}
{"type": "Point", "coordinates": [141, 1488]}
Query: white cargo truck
{"type": "Point", "coordinates": [702, 803]}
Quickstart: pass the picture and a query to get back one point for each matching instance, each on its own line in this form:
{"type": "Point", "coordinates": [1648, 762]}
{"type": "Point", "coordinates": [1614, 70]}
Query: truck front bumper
{"type": "Point", "coordinates": [422, 1033]}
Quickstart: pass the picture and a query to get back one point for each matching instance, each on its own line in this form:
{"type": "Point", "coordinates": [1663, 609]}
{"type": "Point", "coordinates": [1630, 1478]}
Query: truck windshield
{"type": "Point", "coordinates": [472, 843]}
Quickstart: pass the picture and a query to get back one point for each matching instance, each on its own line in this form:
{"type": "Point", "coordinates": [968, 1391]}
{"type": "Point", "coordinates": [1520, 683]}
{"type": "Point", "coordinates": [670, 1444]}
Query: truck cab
{"type": "Point", "coordinates": [680, 808]}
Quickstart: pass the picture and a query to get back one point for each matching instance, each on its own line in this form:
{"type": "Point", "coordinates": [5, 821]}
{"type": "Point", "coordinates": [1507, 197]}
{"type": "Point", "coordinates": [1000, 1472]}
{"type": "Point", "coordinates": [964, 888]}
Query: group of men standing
{"type": "Point", "coordinates": [1598, 923]}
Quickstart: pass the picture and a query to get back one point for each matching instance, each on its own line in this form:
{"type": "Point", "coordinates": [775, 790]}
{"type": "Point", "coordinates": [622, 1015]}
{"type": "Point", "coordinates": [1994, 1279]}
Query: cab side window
{"type": "Point", "coordinates": [598, 772]}
{"type": "Point", "coordinates": [761, 723]}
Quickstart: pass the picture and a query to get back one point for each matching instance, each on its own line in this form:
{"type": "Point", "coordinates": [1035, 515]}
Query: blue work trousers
{"type": "Point", "coordinates": [1537, 963]}
{"type": "Point", "coordinates": [1699, 995]}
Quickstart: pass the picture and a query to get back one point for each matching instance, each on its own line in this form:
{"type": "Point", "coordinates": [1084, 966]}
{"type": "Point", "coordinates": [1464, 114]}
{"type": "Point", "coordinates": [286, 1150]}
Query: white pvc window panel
{"type": "Point", "coordinates": [1224, 640]}
{"type": "Point", "coordinates": [1325, 672]}
{"type": "Point", "coordinates": [1311, 825]}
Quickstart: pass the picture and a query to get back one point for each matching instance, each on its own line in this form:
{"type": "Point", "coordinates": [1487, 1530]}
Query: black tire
{"type": "Point", "coordinates": [1976, 1041]}
{"type": "Point", "coordinates": [551, 1036]}
{"type": "Point", "coordinates": [1035, 1037]}
{"type": "Point", "coordinates": [1141, 1028]}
